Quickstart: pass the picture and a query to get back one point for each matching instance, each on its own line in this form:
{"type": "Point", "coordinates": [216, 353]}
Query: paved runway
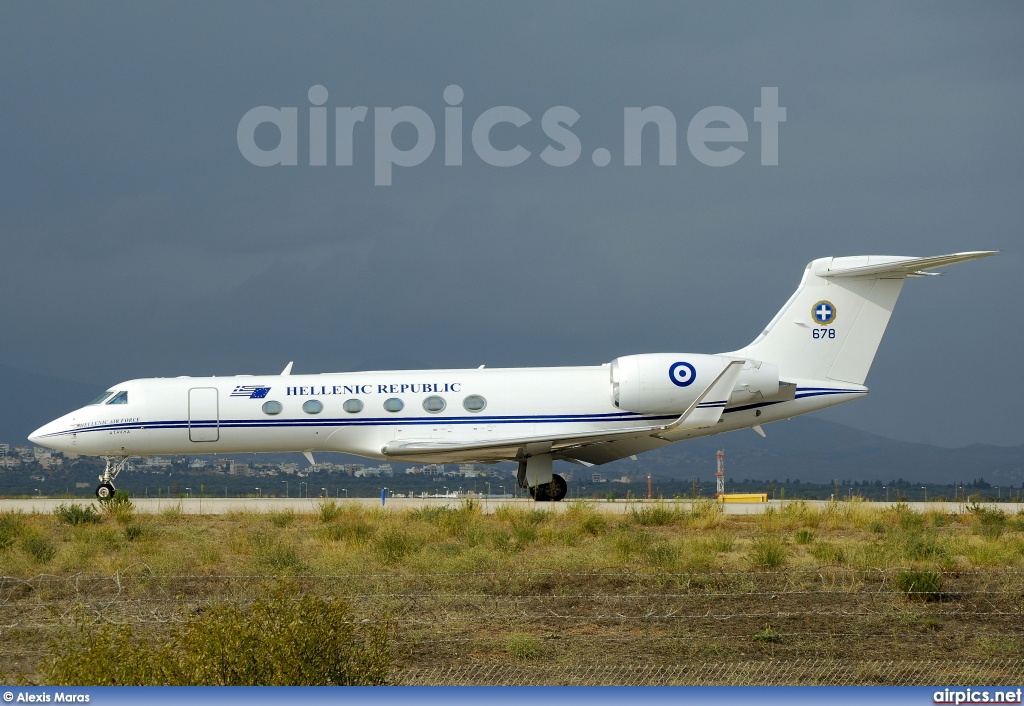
{"type": "Point", "coordinates": [220, 506]}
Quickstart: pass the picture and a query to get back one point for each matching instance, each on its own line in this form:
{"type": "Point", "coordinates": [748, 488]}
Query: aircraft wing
{"type": "Point", "coordinates": [704, 411]}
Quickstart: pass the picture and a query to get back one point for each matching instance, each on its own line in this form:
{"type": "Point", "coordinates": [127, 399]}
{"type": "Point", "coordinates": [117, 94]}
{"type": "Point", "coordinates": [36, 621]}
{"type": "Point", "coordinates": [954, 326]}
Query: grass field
{"type": "Point", "coordinates": [532, 592]}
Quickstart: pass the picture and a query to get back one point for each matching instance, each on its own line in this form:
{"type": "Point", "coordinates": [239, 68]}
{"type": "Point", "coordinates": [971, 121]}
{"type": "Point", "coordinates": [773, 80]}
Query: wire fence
{"type": "Point", "coordinates": [803, 672]}
{"type": "Point", "coordinates": [833, 625]}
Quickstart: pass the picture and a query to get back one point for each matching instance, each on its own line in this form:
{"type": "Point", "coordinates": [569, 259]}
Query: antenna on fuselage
{"type": "Point", "coordinates": [288, 368]}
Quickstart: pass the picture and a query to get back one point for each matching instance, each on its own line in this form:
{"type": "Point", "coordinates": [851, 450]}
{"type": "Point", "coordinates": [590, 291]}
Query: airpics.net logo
{"type": "Point", "coordinates": [712, 134]}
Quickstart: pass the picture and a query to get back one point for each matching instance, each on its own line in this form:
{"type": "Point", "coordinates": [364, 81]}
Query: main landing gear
{"type": "Point", "coordinates": [115, 464]}
{"type": "Point", "coordinates": [555, 490]}
{"type": "Point", "coordinates": [535, 474]}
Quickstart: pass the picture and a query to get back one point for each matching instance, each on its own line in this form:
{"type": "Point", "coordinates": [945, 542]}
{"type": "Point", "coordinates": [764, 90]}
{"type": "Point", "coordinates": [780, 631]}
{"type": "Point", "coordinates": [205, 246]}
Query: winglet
{"type": "Point", "coordinates": [309, 457]}
{"type": "Point", "coordinates": [288, 368]}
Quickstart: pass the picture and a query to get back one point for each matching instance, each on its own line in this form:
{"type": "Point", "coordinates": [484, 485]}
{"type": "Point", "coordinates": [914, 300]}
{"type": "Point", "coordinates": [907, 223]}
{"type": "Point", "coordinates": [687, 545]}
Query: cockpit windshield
{"type": "Point", "coordinates": [119, 398]}
{"type": "Point", "coordinates": [101, 398]}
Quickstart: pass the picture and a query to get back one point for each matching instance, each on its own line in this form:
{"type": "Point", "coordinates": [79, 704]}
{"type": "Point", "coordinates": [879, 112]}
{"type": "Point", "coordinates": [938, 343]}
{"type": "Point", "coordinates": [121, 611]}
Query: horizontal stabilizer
{"type": "Point", "coordinates": [880, 266]}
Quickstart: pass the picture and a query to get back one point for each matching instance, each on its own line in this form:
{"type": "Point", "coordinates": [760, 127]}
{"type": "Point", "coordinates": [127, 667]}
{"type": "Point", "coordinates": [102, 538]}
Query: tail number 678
{"type": "Point", "coordinates": [823, 333]}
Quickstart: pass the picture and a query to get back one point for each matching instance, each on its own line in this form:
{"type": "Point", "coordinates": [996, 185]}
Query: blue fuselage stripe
{"type": "Point", "coordinates": [441, 421]}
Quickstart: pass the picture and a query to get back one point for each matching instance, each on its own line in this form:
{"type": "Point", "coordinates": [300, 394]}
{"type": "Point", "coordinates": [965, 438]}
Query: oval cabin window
{"type": "Point", "coordinates": [474, 403]}
{"type": "Point", "coordinates": [272, 407]}
{"type": "Point", "coordinates": [393, 404]}
{"type": "Point", "coordinates": [434, 404]}
{"type": "Point", "coordinates": [312, 407]}
{"type": "Point", "coordinates": [353, 406]}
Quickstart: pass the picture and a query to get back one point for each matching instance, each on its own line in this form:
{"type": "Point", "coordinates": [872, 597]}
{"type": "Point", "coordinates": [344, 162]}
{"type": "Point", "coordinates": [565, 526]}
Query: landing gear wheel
{"type": "Point", "coordinates": [548, 492]}
{"type": "Point", "coordinates": [540, 493]}
{"type": "Point", "coordinates": [557, 488]}
{"type": "Point", "coordinates": [105, 491]}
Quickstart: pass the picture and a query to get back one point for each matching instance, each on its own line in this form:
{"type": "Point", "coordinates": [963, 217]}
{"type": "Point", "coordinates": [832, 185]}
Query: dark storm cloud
{"type": "Point", "coordinates": [138, 241]}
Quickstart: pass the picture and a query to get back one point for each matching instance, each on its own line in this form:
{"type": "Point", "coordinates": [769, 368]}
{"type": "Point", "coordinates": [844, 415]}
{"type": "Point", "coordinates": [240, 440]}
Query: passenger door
{"type": "Point", "coordinates": [203, 414]}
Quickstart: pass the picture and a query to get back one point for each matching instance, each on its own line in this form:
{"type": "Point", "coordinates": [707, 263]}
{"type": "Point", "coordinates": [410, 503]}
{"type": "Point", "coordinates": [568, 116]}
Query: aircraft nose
{"type": "Point", "coordinates": [40, 436]}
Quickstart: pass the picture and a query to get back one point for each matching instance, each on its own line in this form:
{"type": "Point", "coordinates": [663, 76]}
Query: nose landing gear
{"type": "Point", "coordinates": [115, 464]}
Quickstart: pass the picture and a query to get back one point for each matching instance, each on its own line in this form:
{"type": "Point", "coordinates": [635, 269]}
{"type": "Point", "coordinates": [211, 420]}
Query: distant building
{"type": "Point", "coordinates": [4, 449]}
{"type": "Point", "coordinates": [597, 478]}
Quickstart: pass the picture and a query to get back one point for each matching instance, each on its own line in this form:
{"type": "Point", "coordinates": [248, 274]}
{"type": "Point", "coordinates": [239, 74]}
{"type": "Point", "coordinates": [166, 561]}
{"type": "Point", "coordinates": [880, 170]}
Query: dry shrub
{"type": "Point", "coordinates": [990, 523]}
{"type": "Point", "coordinates": [75, 514]}
{"type": "Point", "coordinates": [704, 514]}
{"type": "Point", "coordinates": [282, 518]}
{"type": "Point", "coordinates": [328, 511]}
{"type": "Point", "coordinates": [281, 641]}
{"type": "Point", "coordinates": [118, 506]}
{"type": "Point", "coordinates": [393, 545]}
{"type": "Point", "coordinates": [37, 546]}
{"type": "Point", "coordinates": [829, 553]}
{"type": "Point", "coordinates": [11, 526]}
{"type": "Point", "coordinates": [657, 515]}
{"type": "Point", "coordinates": [797, 513]}
{"type": "Point", "coordinates": [274, 552]}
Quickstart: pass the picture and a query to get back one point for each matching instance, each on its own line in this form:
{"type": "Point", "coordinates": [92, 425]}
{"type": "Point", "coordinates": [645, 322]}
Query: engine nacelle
{"type": "Point", "coordinates": [757, 381]}
{"type": "Point", "coordinates": [668, 383]}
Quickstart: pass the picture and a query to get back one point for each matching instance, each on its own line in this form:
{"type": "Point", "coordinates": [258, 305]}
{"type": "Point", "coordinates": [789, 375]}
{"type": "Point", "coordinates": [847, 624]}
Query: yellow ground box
{"type": "Point", "coordinates": [743, 498]}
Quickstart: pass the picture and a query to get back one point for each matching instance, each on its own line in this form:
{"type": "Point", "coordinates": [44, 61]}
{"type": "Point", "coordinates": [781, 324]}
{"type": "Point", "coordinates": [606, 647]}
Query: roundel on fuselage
{"type": "Point", "coordinates": [682, 374]}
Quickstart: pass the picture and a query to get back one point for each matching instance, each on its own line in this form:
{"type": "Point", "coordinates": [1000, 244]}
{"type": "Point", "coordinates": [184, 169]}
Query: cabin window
{"type": "Point", "coordinates": [434, 404]}
{"type": "Point", "coordinates": [353, 406]}
{"type": "Point", "coordinates": [393, 404]}
{"type": "Point", "coordinates": [119, 398]}
{"type": "Point", "coordinates": [105, 395]}
{"type": "Point", "coordinates": [272, 407]}
{"type": "Point", "coordinates": [312, 407]}
{"type": "Point", "coordinates": [474, 403]}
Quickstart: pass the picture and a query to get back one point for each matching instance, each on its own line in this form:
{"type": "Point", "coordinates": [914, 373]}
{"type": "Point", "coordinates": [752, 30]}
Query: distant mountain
{"type": "Point", "coordinates": [818, 451]}
{"type": "Point", "coordinates": [28, 401]}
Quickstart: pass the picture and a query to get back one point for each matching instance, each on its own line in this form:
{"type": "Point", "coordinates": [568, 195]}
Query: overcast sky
{"type": "Point", "coordinates": [137, 240]}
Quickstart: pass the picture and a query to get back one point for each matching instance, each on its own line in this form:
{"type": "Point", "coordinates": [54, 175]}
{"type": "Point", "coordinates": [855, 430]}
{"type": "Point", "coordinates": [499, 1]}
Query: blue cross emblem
{"type": "Point", "coordinates": [824, 312]}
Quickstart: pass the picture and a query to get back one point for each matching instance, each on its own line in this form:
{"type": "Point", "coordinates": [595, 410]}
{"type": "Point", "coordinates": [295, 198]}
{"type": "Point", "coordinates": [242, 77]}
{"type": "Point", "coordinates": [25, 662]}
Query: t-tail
{"type": "Point", "coordinates": [831, 327]}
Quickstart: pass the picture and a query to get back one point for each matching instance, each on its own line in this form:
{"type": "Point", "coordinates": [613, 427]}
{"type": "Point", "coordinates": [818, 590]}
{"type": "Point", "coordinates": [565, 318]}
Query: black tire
{"type": "Point", "coordinates": [540, 493]}
{"type": "Point", "coordinates": [105, 491]}
{"type": "Point", "coordinates": [557, 488]}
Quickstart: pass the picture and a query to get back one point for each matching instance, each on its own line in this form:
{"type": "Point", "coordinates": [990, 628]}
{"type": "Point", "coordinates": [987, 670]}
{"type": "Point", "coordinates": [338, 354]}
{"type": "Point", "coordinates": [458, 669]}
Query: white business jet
{"type": "Point", "coordinates": [815, 353]}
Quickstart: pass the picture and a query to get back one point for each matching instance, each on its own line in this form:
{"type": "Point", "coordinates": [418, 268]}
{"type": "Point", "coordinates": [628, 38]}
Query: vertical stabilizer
{"type": "Point", "coordinates": [831, 327]}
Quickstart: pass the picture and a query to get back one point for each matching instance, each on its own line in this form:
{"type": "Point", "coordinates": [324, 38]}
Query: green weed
{"type": "Point", "coordinates": [767, 635]}
{"type": "Point", "coordinates": [768, 552]}
{"type": "Point", "coordinates": [920, 585]}
{"type": "Point", "coordinates": [804, 536]}
{"type": "Point", "coordinates": [524, 647]}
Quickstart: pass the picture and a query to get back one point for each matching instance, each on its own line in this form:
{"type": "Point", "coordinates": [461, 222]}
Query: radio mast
{"type": "Point", "coordinates": [720, 474]}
